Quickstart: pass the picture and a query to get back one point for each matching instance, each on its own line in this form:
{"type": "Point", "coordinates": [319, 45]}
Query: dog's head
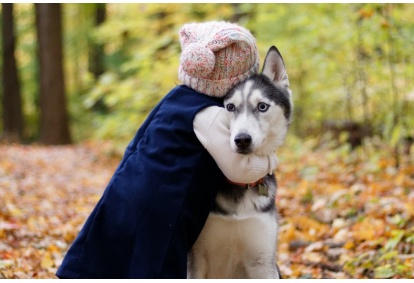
{"type": "Point", "coordinates": [260, 108]}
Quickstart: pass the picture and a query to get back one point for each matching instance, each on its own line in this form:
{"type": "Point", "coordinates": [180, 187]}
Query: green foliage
{"type": "Point", "coordinates": [320, 45]}
{"type": "Point", "coordinates": [24, 22]}
{"type": "Point", "coordinates": [345, 62]}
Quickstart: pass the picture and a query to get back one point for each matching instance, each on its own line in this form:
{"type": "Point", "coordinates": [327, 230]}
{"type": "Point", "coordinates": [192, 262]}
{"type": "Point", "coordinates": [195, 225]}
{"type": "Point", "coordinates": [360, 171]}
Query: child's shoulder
{"type": "Point", "coordinates": [194, 96]}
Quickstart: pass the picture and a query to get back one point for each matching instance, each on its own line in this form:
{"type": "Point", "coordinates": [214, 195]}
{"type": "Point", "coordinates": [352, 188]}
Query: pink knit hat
{"type": "Point", "coordinates": [216, 56]}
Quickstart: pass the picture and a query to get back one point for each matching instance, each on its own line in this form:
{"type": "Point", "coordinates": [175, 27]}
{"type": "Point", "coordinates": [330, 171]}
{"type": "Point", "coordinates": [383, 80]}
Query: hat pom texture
{"type": "Point", "coordinates": [216, 56]}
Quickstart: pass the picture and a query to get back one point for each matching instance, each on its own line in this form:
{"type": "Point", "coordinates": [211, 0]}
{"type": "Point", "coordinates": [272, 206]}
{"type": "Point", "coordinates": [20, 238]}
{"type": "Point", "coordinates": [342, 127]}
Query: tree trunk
{"type": "Point", "coordinates": [12, 102]}
{"type": "Point", "coordinates": [362, 75]}
{"type": "Point", "coordinates": [96, 50]}
{"type": "Point", "coordinates": [54, 126]}
{"type": "Point", "coordinates": [97, 55]}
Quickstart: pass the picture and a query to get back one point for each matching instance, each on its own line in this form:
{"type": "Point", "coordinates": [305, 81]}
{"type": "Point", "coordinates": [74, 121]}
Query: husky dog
{"type": "Point", "coordinates": [240, 235]}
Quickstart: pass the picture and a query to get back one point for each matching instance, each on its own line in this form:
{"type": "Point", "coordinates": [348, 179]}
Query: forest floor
{"type": "Point", "coordinates": [343, 214]}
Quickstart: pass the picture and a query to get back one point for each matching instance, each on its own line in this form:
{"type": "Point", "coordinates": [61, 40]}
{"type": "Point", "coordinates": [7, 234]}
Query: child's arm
{"type": "Point", "coordinates": [211, 127]}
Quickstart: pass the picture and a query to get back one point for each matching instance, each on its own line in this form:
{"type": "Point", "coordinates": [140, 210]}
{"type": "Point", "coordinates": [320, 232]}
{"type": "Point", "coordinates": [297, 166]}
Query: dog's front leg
{"type": "Point", "coordinates": [196, 266]}
{"type": "Point", "coordinates": [263, 270]}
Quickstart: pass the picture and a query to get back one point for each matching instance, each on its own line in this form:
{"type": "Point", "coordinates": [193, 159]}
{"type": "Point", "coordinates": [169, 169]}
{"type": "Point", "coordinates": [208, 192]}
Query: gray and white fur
{"type": "Point", "coordinates": [239, 239]}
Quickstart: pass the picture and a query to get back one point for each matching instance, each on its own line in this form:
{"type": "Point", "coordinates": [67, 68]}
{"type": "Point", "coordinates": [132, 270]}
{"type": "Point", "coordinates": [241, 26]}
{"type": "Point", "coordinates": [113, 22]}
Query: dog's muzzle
{"type": "Point", "coordinates": [243, 141]}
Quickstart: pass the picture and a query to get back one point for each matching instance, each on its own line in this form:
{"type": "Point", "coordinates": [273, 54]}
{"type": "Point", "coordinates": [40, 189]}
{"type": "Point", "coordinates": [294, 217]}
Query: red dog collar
{"type": "Point", "coordinates": [247, 185]}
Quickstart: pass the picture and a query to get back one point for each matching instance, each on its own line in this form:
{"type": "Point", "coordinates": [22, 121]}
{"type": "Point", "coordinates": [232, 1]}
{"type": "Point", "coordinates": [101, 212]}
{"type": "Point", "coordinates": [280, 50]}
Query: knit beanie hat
{"type": "Point", "coordinates": [216, 56]}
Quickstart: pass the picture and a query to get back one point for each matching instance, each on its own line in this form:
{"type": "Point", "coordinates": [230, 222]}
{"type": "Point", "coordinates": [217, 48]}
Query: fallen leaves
{"type": "Point", "coordinates": [46, 194]}
{"type": "Point", "coordinates": [47, 261]}
{"type": "Point", "coordinates": [345, 214]}
{"type": "Point", "coordinates": [342, 214]}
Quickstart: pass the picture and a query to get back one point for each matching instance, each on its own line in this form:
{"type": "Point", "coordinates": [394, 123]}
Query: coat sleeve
{"type": "Point", "coordinates": [212, 128]}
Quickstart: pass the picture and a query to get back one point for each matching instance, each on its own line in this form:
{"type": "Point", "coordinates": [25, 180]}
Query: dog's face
{"type": "Point", "coordinates": [260, 108]}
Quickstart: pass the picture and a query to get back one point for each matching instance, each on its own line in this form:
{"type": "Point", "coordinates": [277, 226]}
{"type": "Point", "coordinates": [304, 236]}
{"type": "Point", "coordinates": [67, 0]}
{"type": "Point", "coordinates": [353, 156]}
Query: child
{"type": "Point", "coordinates": [159, 197]}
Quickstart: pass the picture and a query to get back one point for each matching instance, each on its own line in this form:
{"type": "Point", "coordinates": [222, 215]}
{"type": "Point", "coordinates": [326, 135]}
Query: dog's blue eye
{"type": "Point", "coordinates": [262, 107]}
{"type": "Point", "coordinates": [230, 107]}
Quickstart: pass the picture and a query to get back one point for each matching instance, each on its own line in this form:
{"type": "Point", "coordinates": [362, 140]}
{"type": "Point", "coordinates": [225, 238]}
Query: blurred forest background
{"type": "Point", "coordinates": [85, 76]}
{"type": "Point", "coordinates": [75, 72]}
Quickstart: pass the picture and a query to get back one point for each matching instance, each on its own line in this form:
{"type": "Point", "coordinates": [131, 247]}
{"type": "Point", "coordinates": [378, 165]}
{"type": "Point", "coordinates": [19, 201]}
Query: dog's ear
{"type": "Point", "coordinates": [274, 68]}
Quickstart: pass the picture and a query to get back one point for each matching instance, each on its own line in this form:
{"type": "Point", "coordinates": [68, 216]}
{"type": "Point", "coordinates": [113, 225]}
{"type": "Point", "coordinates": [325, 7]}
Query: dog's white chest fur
{"type": "Point", "coordinates": [231, 247]}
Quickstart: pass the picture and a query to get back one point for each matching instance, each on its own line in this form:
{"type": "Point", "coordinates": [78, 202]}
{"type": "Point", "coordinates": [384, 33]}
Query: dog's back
{"type": "Point", "coordinates": [240, 236]}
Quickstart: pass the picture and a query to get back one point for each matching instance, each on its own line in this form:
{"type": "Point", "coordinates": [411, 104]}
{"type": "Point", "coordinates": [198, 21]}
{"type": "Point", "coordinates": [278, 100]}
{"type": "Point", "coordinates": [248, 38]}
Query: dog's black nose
{"type": "Point", "coordinates": [243, 141]}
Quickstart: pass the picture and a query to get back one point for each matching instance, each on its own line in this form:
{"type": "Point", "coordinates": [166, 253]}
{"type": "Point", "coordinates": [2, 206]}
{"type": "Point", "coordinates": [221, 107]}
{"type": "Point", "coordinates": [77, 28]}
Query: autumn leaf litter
{"type": "Point", "coordinates": [46, 195]}
{"type": "Point", "coordinates": [343, 214]}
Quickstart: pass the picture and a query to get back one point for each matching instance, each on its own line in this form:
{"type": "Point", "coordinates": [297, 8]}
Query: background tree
{"type": "Point", "coordinates": [96, 50]}
{"type": "Point", "coordinates": [54, 127]}
{"type": "Point", "coordinates": [96, 62]}
{"type": "Point", "coordinates": [12, 104]}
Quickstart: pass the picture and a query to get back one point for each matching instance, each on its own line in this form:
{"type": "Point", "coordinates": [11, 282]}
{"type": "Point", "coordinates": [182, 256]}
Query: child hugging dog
{"type": "Point", "coordinates": [160, 195]}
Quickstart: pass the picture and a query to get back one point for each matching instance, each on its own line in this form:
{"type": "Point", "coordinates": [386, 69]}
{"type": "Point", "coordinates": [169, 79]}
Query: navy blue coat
{"type": "Point", "coordinates": [157, 201]}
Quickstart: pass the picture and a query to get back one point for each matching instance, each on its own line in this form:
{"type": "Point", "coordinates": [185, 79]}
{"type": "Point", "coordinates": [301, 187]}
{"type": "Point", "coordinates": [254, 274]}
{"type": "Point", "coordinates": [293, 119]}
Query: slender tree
{"type": "Point", "coordinates": [12, 102]}
{"type": "Point", "coordinates": [361, 65]}
{"type": "Point", "coordinates": [54, 125]}
{"type": "Point", "coordinates": [96, 50]}
{"type": "Point", "coordinates": [97, 54]}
